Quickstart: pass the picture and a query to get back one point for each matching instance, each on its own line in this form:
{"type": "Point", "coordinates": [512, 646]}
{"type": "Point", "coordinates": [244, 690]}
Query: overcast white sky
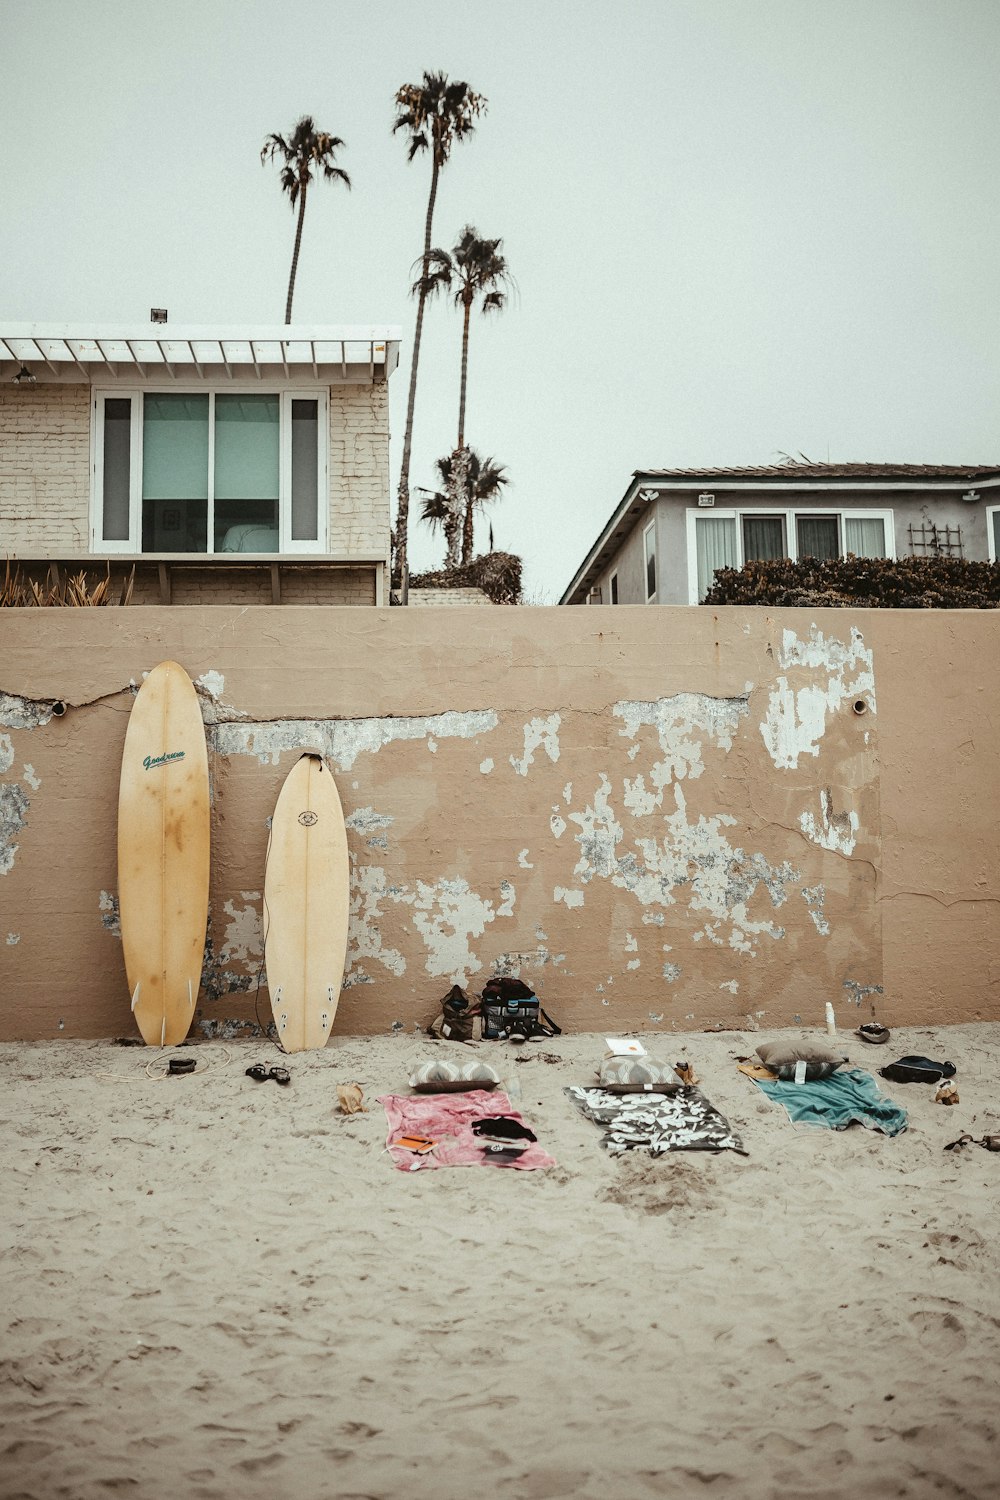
{"type": "Point", "coordinates": [739, 227]}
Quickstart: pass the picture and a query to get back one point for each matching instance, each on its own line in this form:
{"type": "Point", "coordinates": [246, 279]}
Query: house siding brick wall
{"type": "Point", "coordinates": [359, 468]}
{"type": "Point", "coordinates": [44, 469]}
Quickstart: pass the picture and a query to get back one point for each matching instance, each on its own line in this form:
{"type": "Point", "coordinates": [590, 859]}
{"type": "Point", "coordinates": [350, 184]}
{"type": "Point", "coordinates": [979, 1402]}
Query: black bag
{"type": "Point", "coordinates": [917, 1070]}
{"type": "Point", "coordinates": [511, 1012]}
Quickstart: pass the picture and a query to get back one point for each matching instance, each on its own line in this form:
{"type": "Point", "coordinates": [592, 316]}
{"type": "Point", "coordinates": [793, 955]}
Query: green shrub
{"type": "Point", "coordinates": [498, 574]}
{"type": "Point", "coordinates": [861, 583]}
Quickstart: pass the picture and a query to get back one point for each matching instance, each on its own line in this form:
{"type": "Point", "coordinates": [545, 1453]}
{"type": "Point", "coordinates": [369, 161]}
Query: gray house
{"type": "Point", "coordinates": [674, 527]}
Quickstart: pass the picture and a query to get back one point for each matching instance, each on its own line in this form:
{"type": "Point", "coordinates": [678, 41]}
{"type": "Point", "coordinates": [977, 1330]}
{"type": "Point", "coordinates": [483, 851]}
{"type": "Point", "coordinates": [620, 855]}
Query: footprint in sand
{"type": "Point", "coordinates": [940, 1333]}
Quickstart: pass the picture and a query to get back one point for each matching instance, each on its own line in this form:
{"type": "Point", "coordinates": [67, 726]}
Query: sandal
{"type": "Point", "coordinates": [258, 1072]}
{"type": "Point", "coordinates": [280, 1075]}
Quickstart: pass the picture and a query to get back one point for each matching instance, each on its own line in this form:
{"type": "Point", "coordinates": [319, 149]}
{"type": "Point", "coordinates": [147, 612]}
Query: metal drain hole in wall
{"type": "Point", "coordinates": [58, 709]}
{"type": "Point", "coordinates": [860, 706]}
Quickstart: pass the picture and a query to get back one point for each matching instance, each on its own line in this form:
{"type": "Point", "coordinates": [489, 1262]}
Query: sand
{"type": "Point", "coordinates": [212, 1288]}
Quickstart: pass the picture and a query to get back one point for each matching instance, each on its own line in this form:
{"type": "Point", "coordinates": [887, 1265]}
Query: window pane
{"type": "Point", "coordinates": [614, 588]}
{"type": "Point", "coordinates": [763, 537]}
{"type": "Point", "coordinates": [649, 540]}
{"type": "Point", "coordinates": [817, 536]}
{"type": "Point", "coordinates": [175, 473]}
{"type": "Point", "coordinates": [864, 537]}
{"type": "Point", "coordinates": [996, 535]}
{"type": "Point", "coordinates": [716, 540]}
{"type": "Point", "coordinates": [305, 471]}
{"type": "Point", "coordinates": [117, 465]}
{"type": "Point", "coordinates": [246, 473]}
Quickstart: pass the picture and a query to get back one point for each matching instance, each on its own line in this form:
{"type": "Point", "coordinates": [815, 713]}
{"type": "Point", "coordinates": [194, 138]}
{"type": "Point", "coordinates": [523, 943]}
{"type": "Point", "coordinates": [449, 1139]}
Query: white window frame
{"type": "Point", "coordinates": [647, 531]}
{"type": "Point", "coordinates": [286, 394]}
{"type": "Point", "coordinates": [791, 540]}
{"type": "Point", "coordinates": [991, 546]}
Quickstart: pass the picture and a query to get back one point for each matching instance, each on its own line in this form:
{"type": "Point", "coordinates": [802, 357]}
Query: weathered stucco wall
{"type": "Point", "coordinates": [662, 818]}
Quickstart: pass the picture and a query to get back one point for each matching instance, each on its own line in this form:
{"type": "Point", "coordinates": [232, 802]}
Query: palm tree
{"type": "Point", "coordinates": [306, 148]}
{"type": "Point", "coordinates": [435, 113]}
{"type": "Point", "coordinates": [475, 268]}
{"type": "Point", "coordinates": [485, 479]}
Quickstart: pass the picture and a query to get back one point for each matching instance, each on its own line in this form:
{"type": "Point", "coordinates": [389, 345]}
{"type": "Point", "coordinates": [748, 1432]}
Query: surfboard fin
{"type": "Point", "coordinates": [135, 997]}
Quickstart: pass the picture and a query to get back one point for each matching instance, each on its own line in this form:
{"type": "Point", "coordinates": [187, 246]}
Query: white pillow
{"type": "Point", "coordinates": [446, 1075]}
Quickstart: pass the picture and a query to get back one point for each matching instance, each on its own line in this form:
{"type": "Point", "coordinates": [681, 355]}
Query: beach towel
{"type": "Point", "coordinates": [447, 1119]}
{"type": "Point", "coordinates": [850, 1096]}
{"type": "Point", "coordinates": [682, 1120]}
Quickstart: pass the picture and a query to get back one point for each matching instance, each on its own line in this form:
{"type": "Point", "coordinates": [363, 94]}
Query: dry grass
{"type": "Point", "coordinates": [74, 591]}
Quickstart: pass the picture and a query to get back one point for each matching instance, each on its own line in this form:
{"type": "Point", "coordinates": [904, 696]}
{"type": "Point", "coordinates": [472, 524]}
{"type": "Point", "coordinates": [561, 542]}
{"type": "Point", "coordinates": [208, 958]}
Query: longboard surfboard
{"type": "Point", "coordinates": [163, 853]}
{"type": "Point", "coordinates": [306, 905]}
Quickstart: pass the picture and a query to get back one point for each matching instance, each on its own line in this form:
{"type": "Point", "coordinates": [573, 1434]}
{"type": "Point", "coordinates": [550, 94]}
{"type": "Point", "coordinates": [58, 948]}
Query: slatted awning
{"type": "Point", "coordinates": [61, 352]}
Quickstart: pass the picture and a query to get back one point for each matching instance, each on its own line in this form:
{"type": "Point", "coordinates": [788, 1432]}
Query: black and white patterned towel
{"type": "Point", "coordinates": [683, 1120]}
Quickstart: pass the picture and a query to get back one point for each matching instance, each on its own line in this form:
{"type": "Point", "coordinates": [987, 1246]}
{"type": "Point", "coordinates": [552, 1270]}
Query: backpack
{"type": "Point", "coordinates": [458, 1017]}
{"type": "Point", "coordinates": [511, 1012]}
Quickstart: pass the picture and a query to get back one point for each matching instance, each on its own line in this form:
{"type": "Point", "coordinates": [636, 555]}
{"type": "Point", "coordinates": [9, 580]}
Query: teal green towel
{"type": "Point", "coordinates": [849, 1094]}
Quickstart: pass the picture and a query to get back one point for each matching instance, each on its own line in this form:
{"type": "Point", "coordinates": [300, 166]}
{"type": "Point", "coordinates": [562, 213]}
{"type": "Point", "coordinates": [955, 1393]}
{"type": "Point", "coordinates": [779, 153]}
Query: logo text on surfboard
{"type": "Point", "coordinates": [152, 761]}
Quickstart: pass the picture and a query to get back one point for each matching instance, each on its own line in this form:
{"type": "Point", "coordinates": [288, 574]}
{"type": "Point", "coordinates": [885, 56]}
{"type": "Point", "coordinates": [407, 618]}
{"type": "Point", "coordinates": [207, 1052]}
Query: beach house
{"type": "Point", "coordinates": [673, 528]}
{"type": "Point", "coordinates": [222, 465]}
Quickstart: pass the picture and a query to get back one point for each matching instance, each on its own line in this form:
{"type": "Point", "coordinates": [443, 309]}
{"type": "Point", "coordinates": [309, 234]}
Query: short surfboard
{"type": "Point", "coordinates": [163, 853]}
{"type": "Point", "coordinates": [306, 905]}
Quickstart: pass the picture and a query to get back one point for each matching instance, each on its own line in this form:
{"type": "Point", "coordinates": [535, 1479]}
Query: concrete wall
{"type": "Point", "coordinates": [916, 508]}
{"type": "Point", "coordinates": [662, 818]}
{"type": "Point", "coordinates": [45, 469]}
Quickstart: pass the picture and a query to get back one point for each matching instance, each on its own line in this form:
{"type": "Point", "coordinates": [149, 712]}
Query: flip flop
{"type": "Point", "coordinates": [258, 1072]}
{"type": "Point", "coordinates": [280, 1075]}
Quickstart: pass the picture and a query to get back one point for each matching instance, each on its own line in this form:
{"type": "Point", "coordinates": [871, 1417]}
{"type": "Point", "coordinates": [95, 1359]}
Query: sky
{"type": "Point", "coordinates": [739, 229]}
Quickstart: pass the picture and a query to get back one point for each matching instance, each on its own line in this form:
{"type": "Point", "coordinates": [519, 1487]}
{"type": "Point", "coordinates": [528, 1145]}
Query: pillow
{"type": "Point", "coordinates": [781, 1058]}
{"type": "Point", "coordinates": [626, 1070]}
{"type": "Point", "coordinates": [445, 1075]}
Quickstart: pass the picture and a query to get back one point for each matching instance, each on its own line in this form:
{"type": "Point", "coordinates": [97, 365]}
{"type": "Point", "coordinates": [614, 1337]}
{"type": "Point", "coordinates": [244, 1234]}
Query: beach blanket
{"type": "Point", "coordinates": [447, 1119]}
{"type": "Point", "coordinates": [847, 1097]}
{"type": "Point", "coordinates": [682, 1120]}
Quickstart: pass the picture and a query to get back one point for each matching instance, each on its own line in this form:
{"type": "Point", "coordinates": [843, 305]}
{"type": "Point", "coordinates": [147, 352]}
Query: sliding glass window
{"type": "Point", "coordinates": [207, 471]}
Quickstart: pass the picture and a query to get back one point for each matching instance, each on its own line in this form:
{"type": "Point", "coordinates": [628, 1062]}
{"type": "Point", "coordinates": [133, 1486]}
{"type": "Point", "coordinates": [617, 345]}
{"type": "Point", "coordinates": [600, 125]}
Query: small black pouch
{"type": "Point", "coordinates": [917, 1070]}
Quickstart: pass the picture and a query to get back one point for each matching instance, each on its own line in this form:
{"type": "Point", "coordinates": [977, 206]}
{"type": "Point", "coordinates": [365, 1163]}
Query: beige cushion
{"type": "Point", "coordinates": [448, 1075]}
{"type": "Point", "coordinates": [781, 1058]}
{"type": "Point", "coordinates": [620, 1070]}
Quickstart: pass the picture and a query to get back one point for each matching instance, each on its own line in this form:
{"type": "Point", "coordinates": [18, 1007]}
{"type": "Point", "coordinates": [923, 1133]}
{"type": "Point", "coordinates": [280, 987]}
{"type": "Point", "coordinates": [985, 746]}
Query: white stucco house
{"type": "Point", "coordinates": [673, 528]}
{"type": "Point", "coordinates": [226, 465]}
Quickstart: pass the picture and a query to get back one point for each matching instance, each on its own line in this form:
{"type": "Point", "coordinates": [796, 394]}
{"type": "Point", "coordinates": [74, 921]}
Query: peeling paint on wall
{"type": "Point", "coordinates": [486, 766]}
{"type": "Point", "coordinates": [522, 860]}
{"type": "Point", "coordinates": [540, 734]}
{"type": "Point", "coordinates": [13, 817]}
{"type": "Point", "coordinates": [342, 740]}
{"type": "Point", "coordinates": [13, 938]}
{"type": "Point", "coordinates": [448, 914]}
{"type": "Point", "coordinates": [836, 831]}
{"type": "Point", "coordinates": [25, 713]}
{"type": "Point", "coordinates": [858, 993]}
{"type": "Point", "coordinates": [796, 718]}
{"type": "Point", "coordinates": [370, 888]}
{"type": "Point", "coordinates": [244, 941]}
{"type": "Point", "coordinates": [569, 898]}
{"type": "Point", "coordinates": [31, 777]}
{"type": "Point", "coordinates": [107, 905]}
{"type": "Point", "coordinates": [682, 723]}
{"type": "Point", "coordinates": [814, 897]}
{"type": "Point", "coordinates": [6, 753]}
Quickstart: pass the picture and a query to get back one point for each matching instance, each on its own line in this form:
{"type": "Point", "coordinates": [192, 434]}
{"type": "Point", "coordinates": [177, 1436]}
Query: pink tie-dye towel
{"type": "Point", "coordinates": [447, 1119]}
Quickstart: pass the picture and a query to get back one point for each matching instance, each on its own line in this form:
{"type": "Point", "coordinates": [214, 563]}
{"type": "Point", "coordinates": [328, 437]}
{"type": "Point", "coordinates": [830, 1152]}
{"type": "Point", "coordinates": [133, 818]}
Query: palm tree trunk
{"type": "Point", "coordinates": [467, 522]}
{"type": "Point", "coordinates": [403, 499]}
{"type": "Point", "coordinates": [295, 256]}
{"type": "Point", "coordinates": [463, 385]}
